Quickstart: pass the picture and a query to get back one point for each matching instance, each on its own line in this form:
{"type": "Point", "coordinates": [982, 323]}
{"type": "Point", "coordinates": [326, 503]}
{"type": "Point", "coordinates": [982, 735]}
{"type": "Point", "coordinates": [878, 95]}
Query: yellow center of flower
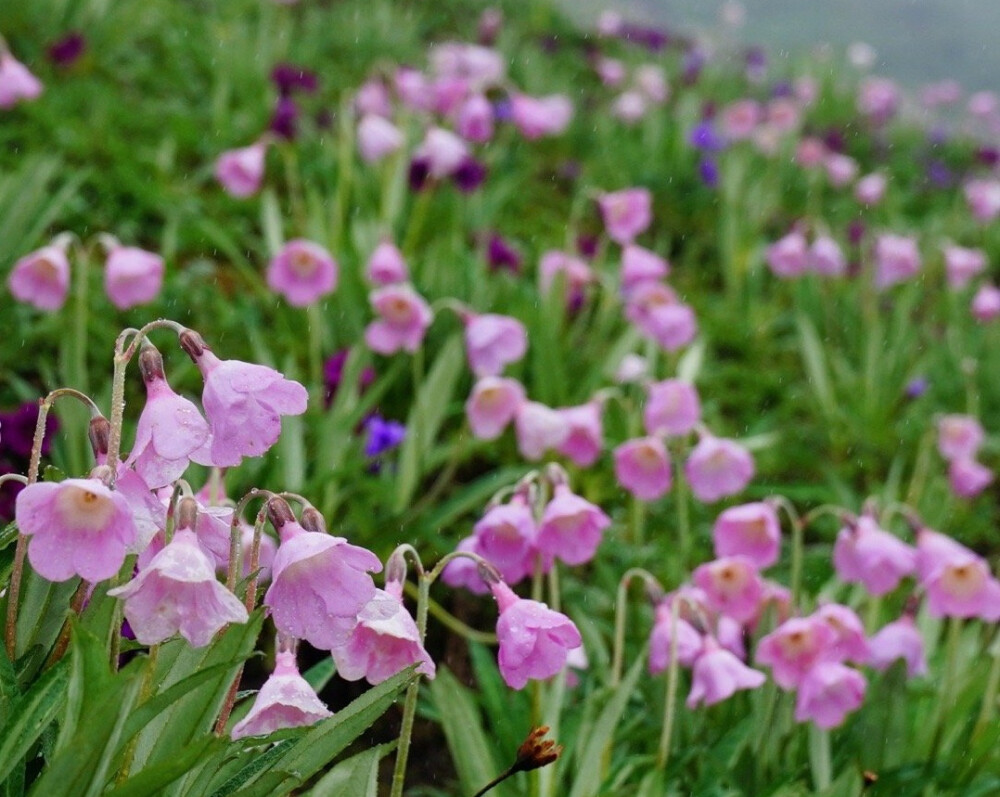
{"type": "Point", "coordinates": [962, 580]}
{"type": "Point", "coordinates": [729, 577]}
{"type": "Point", "coordinates": [83, 510]}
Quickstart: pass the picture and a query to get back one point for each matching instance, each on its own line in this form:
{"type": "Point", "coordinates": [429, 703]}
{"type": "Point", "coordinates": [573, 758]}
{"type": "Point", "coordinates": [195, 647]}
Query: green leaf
{"type": "Point", "coordinates": [357, 776]}
{"type": "Point", "coordinates": [154, 778]}
{"type": "Point", "coordinates": [30, 715]}
{"type": "Point", "coordinates": [320, 673]}
{"type": "Point", "coordinates": [816, 369]}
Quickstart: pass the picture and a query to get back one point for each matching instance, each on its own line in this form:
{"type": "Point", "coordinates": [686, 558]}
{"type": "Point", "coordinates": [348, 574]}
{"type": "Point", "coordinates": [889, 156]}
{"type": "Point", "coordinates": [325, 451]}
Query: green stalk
{"type": "Point", "coordinates": [990, 692]}
{"type": "Point", "coordinates": [819, 758]}
{"type": "Point", "coordinates": [947, 685]}
{"type": "Point", "coordinates": [670, 702]}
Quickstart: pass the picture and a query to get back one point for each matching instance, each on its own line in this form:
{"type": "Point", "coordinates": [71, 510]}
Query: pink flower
{"type": "Point", "coordinates": [16, 82]}
{"type": "Point", "coordinates": [384, 641]}
{"type": "Point", "coordinates": [505, 536]}
{"type": "Point", "coordinates": [626, 213]}
{"type": "Point", "coordinates": [828, 693]}
{"type": "Point", "coordinates": [481, 66]}
{"type": "Point", "coordinates": [539, 429]}
{"type": "Point", "coordinates": [642, 467]}
{"type": "Point", "coordinates": [170, 431]}
{"type": "Point", "coordinates": [849, 643]}
{"type": "Point", "coordinates": [494, 403]}
{"type": "Point", "coordinates": [641, 265]}
{"type": "Point", "coordinates": [878, 98]}
{"type": "Point", "coordinates": [959, 436]}
{"type": "Point", "coordinates": [968, 478]}
{"type": "Point", "coordinates": [897, 259]}
{"type": "Point", "coordinates": [689, 641]}
{"type": "Point", "coordinates": [534, 640]}
{"type": "Point", "coordinates": [536, 117]}
{"type": "Point", "coordinates": [574, 271]}
{"type": "Point", "coordinates": [475, 119]}
{"type": "Point", "coordinates": [826, 257]}
{"type": "Point", "coordinates": [373, 99]}
{"type": "Point", "coordinates": [865, 554]}
{"type": "Point", "coordinates": [718, 468]}
{"type": "Point", "coordinates": [177, 593]}
{"type": "Point", "coordinates": [585, 441]}
{"type": "Point", "coordinates": [983, 104]}
{"type": "Point", "coordinates": [132, 276]}
{"type": "Point", "coordinates": [240, 171]}
{"type": "Point", "coordinates": [788, 257]}
{"type": "Point", "coordinates": [840, 169]}
{"type": "Point", "coordinates": [898, 640]}
{"type": "Point", "coordinates": [449, 93]}
{"type": "Point", "coordinates": [319, 584]}
{"type": "Point", "coordinates": [630, 106]}
{"type": "Point", "coordinates": [740, 118]}
{"type": "Point", "coordinates": [870, 189]}
{"type": "Point", "coordinates": [986, 303]}
{"type": "Point", "coordinates": [404, 318]}
{"type": "Point", "coordinates": [962, 586]}
{"type": "Point", "coordinates": [464, 572]}
{"type": "Point", "coordinates": [749, 530]}
{"type": "Point", "coordinates": [611, 71]}
{"type": "Point", "coordinates": [244, 402]}
{"type": "Point", "coordinates": [794, 648]}
{"type": "Point", "coordinates": [378, 137]}
{"type": "Point", "coordinates": [386, 265]}
{"type": "Point", "coordinates": [41, 278]}
{"type": "Point", "coordinates": [731, 585]}
{"type": "Point", "coordinates": [443, 151]}
{"type": "Point", "coordinates": [660, 315]}
{"type": "Point", "coordinates": [718, 675]}
{"type": "Point", "coordinates": [934, 550]}
{"type": "Point", "coordinates": [286, 700]}
{"type": "Point", "coordinates": [265, 554]}
{"type": "Point", "coordinates": [962, 264]}
{"type": "Point", "coordinates": [810, 152]}
{"type": "Point", "coordinates": [303, 272]}
{"type": "Point", "coordinates": [571, 527]}
{"type": "Point", "coordinates": [492, 341]}
{"type": "Point", "coordinates": [651, 81]}
{"type": "Point", "coordinates": [783, 114]}
{"type": "Point", "coordinates": [413, 88]}
{"type": "Point", "coordinates": [77, 527]}
{"type": "Point", "coordinates": [212, 527]}
{"type": "Point", "coordinates": [983, 198]}
{"type": "Point", "coordinates": [672, 407]}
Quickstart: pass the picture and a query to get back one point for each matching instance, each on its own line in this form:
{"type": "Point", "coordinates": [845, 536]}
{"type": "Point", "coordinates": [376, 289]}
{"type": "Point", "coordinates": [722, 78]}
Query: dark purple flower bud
{"type": "Point", "coordinates": [286, 114]}
{"type": "Point", "coordinates": [65, 51]}
{"type": "Point", "coordinates": [333, 374]}
{"type": "Point", "coordinates": [490, 24]}
{"type": "Point", "coordinates": [502, 110]}
{"type": "Point", "coordinates": [855, 232]}
{"type": "Point", "coordinates": [704, 136]}
{"type": "Point", "coordinates": [19, 431]}
{"type": "Point", "coordinates": [782, 88]}
{"type": "Point", "coordinates": [988, 156]}
{"type": "Point", "coordinates": [289, 78]}
{"type": "Point", "coordinates": [708, 171]}
{"type": "Point", "coordinates": [420, 172]}
{"type": "Point", "coordinates": [383, 435]}
{"type": "Point", "coordinates": [693, 62]}
{"type": "Point", "coordinates": [501, 255]}
{"type": "Point", "coordinates": [834, 140]}
{"type": "Point", "coordinates": [9, 490]}
{"type": "Point", "coordinates": [939, 175]}
{"type": "Point", "coordinates": [586, 245]}
{"type": "Point", "coordinates": [917, 386]}
{"type": "Point", "coordinates": [653, 39]}
{"type": "Point", "coordinates": [469, 175]}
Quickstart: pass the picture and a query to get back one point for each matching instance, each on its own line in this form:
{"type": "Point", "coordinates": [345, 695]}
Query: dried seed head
{"type": "Point", "coordinates": [536, 751]}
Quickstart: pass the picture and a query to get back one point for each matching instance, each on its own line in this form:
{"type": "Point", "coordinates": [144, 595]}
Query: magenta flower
{"type": "Point", "coordinates": [672, 407]}
{"type": "Point", "coordinates": [870, 189]}
{"type": "Point", "coordinates": [132, 276]}
{"type": "Point", "coordinates": [303, 272]}
{"type": "Point", "coordinates": [536, 117]}
{"type": "Point", "coordinates": [986, 303]}
{"type": "Point", "coordinates": [961, 265]}
{"type": "Point", "coordinates": [538, 429]}
{"type": "Point", "coordinates": [575, 273]}
{"type": "Point", "coordinates": [718, 468]}
{"type": "Point", "coordinates": [386, 265]}
{"type": "Point", "coordinates": [244, 402]}
{"type": "Point", "coordinates": [718, 675]}
{"type": "Point", "coordinates": [794, 648]}
{"type": "Point", "coordinates": [866, 554]}
{"type": "Point", "coordinates": [828, 693]}
{"type": "Point", "coordinates": [660, 315]}
{"type": "Point", "coordinates": [849, 643]}
{"type": "Point", "coordinates": [378, 137]}
{"type": "Point", "coordinates": [464, 572]}
{"type": "Point", "coordinates": [962, 586]}
{"type": "Point", "coordinates": [585, 441]}
{"type": "Point", "coordinates": [240, 171]}
{"type": "Point", "coordinates": [689, 641]}
{"type": "Point", "coordinates": [897, 259]}
{"type": "Point", "coordinates": [78, 527]}
{"type": "Point", "coordinates": [506, 537]}
{"type": "Point", "coordinates": [878, 98]}
{"type": "Point", "coordinates": [641, 265]}
{"type": "Point", "coordinates": [642, 466]}
{"type": "Point", "coordinates": [959, 436]}
{"type": "Point", "coordinates": [968, 478]}
{"type": "Point", "coordinates": [177, 593]}
{"type": "Point", "coordinates": [373, 98]}
{"type": "Point", "coordinates": [403, 319]}
{"type": "Point", "coordinates": [286, 700]}
{"type": "Point", "coordinates": [789, 256]}
{"type": "Point", "coordinates": [442, 151]}
{"type": "Point", "coordinates": [740, 119]}
{"type": "Point", "coordinates": [494, 403]}
{"type": "Point", "coordinates": [41, 278]}
{"type": "Point", "coordinates": [626, 213]}
{"type": "Point", "coordinates": [475, 119]}
{"type": "Point", "coordinates": [732, 586]}
{"type": "Point", "coordinates": [749, 530]}
{"type": "Point", "coordinates": [384, 641]}
{"type": "Point", "coordinates": [898, 640]}
{"type": "Point", "coordinates": [534, 640]}
{"type": "Point", "coordinates": [826, 257]}
{"type": "Point", "coordinates": [16, 82]}
{"type": "Point", "coordinates": [934, 550]}
{"type": "Point", "coordinates": [493, 341]}
{"type": "Point", "coordinates": [983, 198]}
{"type": "Point", "coordinates": [319, 584]}
{"type": "Point", "coordinates": [841, 170]}
{"type": "Point", "coordinates": [571, 527]}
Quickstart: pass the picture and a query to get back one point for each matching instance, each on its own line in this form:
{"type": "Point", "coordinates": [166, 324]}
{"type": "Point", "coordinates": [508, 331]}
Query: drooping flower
{"type": "Point", "coordinates": [66, 50]}
{"type": "Point", "coordinates": [41, 278]}
{"type": "Point", "coordinates": [475, 119]}
{"type": "Point", "coordinates": [788, 256]}
{"type": "Point", "coordinates": [539, 428]}
{"type": "Point", "coordinates": [749, 530]}
{"type": "Point", "coordinates": [660, 315]}
{"type": "Point", "coordinates": [378, 137]}
{"type": "Point", "coordinates": [132, 276]}
{"type": "Point", "coordinates": [286, 700]}
{"type": "Point", "coordinates": [571, 527]}
{"type": "Point", "coordinates": [794, 648]}
{"type": "Point", "coordinates": [289, 78]}
{"type": "Point", "coordinates": [443, 152]}
{"type": "Point", "coordinates": [866, 554]}
{"type": "Point", "coordinates": [641, 265]}
{"type": "Point", "coordinates": [240, 171]}
{"type": "Point", "coordinates": [961, 585]}
{"type": "Point", "coordinates": [718, 675]}
{"type": "Point", "coordinates": [826, 257]}
{"type": "Point", "coordinates": [962, 264]}
{"type": "Point", "coordinates": [983, 198]}
{"type": "Point", "coordinates": [626, 213]}
{"type": "Point", "coordinates": [506, 537]}
{"type": "Point", "coordinates": [536, 117]}
{"type": "Point", "coordinates": [16, 81]}
{"type": "Point", "coordinates": [642, 467]}
{"type": "Point", "coordinates": [959, 436]}
{"type": "Point", "coordinates": [672, 407]}
{"type": "Point", "coordinates": [897, 259]}
{"type": "Point", "coordinates": [303, 272]}
{"type": "Point", "coordinates": [464, 572]}
{"type": "Point", "coordinates": [501, 255]}
{"type": "Point", "coordinates": [534, 640]}
{"type": "Point", "coordinates": [386, 265]}
{"type": "Point", "coordinates": [731, 585]}
{"type": "Point", "coordinates": [849, 642]}
{"type": "Point", "coordinates": [840, 169]}
{"type": "Point", "coordinates": [870, 189]}
{"type": "Point", "coordinates": [689, 641]}
{"type": "Point", "coordinates": [403, 319]}
{"type": "Point", "coordinates": [493, 341]}
{"type": "Point", "coordinates": [585, 441]}
{"type": "Point", "coordinates": [986, 303]}
{"type": "Point", "coordinates": [177, 592]}
{"type": "Point", "coordinates": [494, 403]}
{"type": "Point", "coordinates": [78, 527]}
{"type": "Point", "coordinates": [718, 468]}
{"type": "Point", "coordinates": [828, 693]}
{"type": "Point", "coordinates": [878, 98]}
{"type": "Point", "coordinates": [968, 478]}
{"type": "Point", "coordinates": [899, 639]}
{"type": "Point", "coordinates": [244, 402]}
{"type": "Point", "coordinates": [738, 119]}
{"type": "Point", "coordinates": [574, 272]}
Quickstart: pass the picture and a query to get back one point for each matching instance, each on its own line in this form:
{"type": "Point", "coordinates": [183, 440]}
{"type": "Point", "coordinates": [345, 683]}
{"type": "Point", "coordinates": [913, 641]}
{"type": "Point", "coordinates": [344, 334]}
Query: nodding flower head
{"type": "Point", "coordinates": [286, 700]}
{"type": "Point", "coordinates": [303, 272]}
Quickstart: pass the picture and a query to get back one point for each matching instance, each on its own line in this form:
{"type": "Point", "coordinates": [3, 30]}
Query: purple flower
{"type": "Point", "coordinates": [284, 118]}
{"type": "Point", "coordinates": [469, 175]}
{"type": "Point", "coordinates": [705, 137]}
{"type": "Point", "coordinates": [917, 386]}
{"type": "Point", "coordinates": [383, 435]}
{"type": "Point", "coordinates": [501, 255]}
{"type": "Point", "coordinates": [708, 171]}
{"type": "Point", "coordinates": [289, 78]}
{"type": "Point", "coordinates": [939, 175]}
{"type": "Point", "coordinates": [66, 50]}
{"type": "Point", "coordinates": [19, 430]}
{"type": "Point", "coordinates": [420, 171]}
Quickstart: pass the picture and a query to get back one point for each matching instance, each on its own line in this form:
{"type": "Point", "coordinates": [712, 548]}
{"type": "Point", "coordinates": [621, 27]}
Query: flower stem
{"type": "Point", "coordinates": [991, 690]}
{"type": "Point", "coordinates": [670, 703]}
{"type": "Point", "coordinates": [621, 609]}
{"type": "Point", "coordinates": [819, 757]}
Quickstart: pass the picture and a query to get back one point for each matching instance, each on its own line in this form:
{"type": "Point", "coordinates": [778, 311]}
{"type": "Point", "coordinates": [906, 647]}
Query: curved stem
{"type": "Point", "coordinates": [798, 542]}
{"type": "Point", "coordinates": [621, 608]}
{"type": "Point", "coordinates": [670, 707]}
{"type": "Point", "coordinates": [404, 549]}
{"type": "Point", "coordinates": [450, 621]}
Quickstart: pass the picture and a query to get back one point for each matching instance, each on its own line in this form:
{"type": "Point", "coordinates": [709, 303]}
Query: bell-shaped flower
{"type": "Point", "coordinates": [626, 213]}
{"type": "Point", "coordinates": [539, 428]}
{"type": "Point", "coordinates": [718, 468]}
{"type": "Point", "coordinates": [968, 478]}
{"type": "Point", "coordinates": [829, 692]}
{"type": "Point", "coordinates": [286, 700]}
{"type": "Point", "coordinates": [962, 586]}
{"type": "Point", "coordinates": [16, 81]}
{"type": "Point", "coordinates": [718, 675]}
{"type": "Point", "coordinates": [739, 118]}
{"type": "Point", "coordinates": [585, 441]}
{"type": "Point", "coordinates": [212, 526]}
{"type": "Point", "coordinates": [870, 189]}
{"type": "Point", "coordinates": [495, 401]}
{"type": "Point", "coordinates": [78, 527]}
{"type": "Point", "coordinates": [866, 554]}
{"type": "Point", "coordinates": [899, 639]}
{"type": "Point", "coordinates": [536, 117]}
{"type": "Point", "coordinates": [177, 592]}
{"type": "Point", "coordinates": [378, 137]}
{"type": "Point", "coordinates": [41, 278]}
{"type": "Point", "coordinates": [244, 403]}
{"type": "Point", "coordinates": [303, 272]}
{"type": "Point", "coordinates": [241, 171]}
{"type": "Point", "coordinates": [849, 642]}
{"type": "Point", "coordinates": [897, 259]}
{"type": "Point", "coordinates": [506, 536]}
{"type": "Point", "coordinates": [534, 640]}
{"type": "Point", "coordinates": [573, 271]}
{"type": "Point", "coordinates": [384, 641]}
{"type": "Point", "coordinates": [986, 303]}
{"type": "Point", "coordinates": [442, 151]}
{"type": "Point", "coordinates": [403, 320]}
{"type": "Point", "coordinates": [660, 315]}
{"type": "Point", "coordinates": [826, 258]}
{"type": "Point", "coordinates": [661, 641]}
{"type": "Point", "coordinates": [732, 586]}
{"type": "Point", "coordinates": [983, 198]}
{"type": "Point", "coordinates": [794, 648]}
{"type": "Point", "coordinates": [630, 106]}
{"type": "Point", "coordinates": [132, 276]}
{"type": "Point", "coordinates": [571, 527]}
{"type": "Point", "coordinates": [962, 264]}
{"type": "Point", "coordinates": [475, 119]}
{"type": "Point", "coordinates": [934, 550]}
{"type": "Point", "coordinates": [642, 466]}
{"type": "Point", "coordinates": [641, 265]}
{"type": "Point", "coordinates": [493, 341]}
{"type": "Point", "coordinates": [789, 256]}
{"type": "Point", "coordinates": [959, 436]}
{"type": "Point", "coordinates": [672, 407]}
{"type": "Point", "coordinates": [386, 265]}
{"type": "Point", "coordinates": [749, 530]}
